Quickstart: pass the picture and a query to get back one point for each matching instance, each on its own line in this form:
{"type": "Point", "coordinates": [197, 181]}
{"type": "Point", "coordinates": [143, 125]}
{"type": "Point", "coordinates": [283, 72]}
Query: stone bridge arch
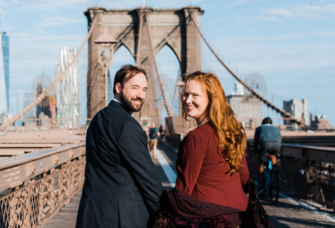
{"type": "Point", "coordinates": [170, 27]}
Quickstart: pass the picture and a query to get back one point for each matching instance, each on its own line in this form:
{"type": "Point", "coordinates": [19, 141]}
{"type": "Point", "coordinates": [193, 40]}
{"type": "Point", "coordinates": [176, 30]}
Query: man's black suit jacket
{"type": "Point", "coordinates": [122, 187]}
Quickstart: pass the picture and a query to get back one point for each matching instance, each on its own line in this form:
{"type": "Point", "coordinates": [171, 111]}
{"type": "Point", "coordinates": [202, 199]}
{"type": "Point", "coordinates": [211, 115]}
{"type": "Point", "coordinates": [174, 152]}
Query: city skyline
{"type": "Point", "coordinates": [295, 58]}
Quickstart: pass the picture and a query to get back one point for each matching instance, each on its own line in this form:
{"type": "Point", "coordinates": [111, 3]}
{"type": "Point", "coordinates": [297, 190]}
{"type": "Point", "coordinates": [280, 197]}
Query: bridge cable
{"type": "Point", "coordinates": [57, 80]}
{"type": "Point", "coordinates": [161, 85]}
{"type": "Point", "coordinates": [268, 103]}
{"type": "Point", "coordinates": [139, 39]}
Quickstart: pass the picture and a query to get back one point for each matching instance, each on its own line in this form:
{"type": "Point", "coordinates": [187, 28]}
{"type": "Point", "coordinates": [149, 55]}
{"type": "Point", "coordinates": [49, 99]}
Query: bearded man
{"type": "Point", "coordinates": [122, 187]}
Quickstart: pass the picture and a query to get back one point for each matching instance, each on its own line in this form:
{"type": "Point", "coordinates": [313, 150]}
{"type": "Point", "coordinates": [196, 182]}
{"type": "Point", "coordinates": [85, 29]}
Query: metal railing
{"type": "Point", "coordinates": [46, 123]}
{"type": "Point", "coordinates": [36, 186]}
{"type": "Point", "coordinates": [307, 171]}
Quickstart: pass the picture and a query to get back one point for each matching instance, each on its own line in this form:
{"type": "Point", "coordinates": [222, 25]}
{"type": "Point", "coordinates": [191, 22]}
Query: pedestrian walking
{"type": "Point", "coordinates": [153, 134]}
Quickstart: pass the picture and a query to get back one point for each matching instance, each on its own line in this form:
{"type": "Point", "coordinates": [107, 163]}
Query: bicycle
{"type": "Point", "coordinates": [271, 181]}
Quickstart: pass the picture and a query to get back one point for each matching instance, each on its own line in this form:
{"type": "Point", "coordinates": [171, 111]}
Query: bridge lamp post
{"type": "Point", "coordinates": [105, 43]}
{"type": "Point", "coordinates": [180, 85]}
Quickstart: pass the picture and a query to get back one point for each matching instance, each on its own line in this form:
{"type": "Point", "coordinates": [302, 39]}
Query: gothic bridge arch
{"type": "Point", "coordinates": [170, 27]}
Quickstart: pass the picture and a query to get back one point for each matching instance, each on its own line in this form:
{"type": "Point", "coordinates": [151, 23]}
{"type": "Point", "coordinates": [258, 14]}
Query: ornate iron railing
{"type": "Point", "coordinates": [32, 195]}
{"type": "Point", "coordinates": [307, 171]}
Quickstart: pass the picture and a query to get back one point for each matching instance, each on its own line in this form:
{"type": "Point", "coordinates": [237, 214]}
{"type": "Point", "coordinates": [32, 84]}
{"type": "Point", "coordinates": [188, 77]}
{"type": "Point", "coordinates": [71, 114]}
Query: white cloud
{"type": "Point", "coordinates": [173, 3]}
{"type": "Point", "coordinates": [267, 18]}
{"type": "Point", "coordinates": [286, 37]}
{"type": "Point", "coordinates": [242, 2]}
{"type": "Point", "coordinates": [32, 53]}
{"type": "Point", "coordinates": [47, 5]}
{"type": "Point", "coordinates": [302, 11]}
{"type": "Point", "coordinates": [273, 54]}
{"type": "Point", "coordinates": [57, 20]}
{"type": "Point", "coordinates": [53, 6]}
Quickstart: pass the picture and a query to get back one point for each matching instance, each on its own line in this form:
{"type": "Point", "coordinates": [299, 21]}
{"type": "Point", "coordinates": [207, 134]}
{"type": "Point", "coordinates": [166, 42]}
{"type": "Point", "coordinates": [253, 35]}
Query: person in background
{"type": "Point", "coordinates": [267, 143]}
{"type": "Point", "coordinates": [153, 134]}
{"type": "Point", "coordinates": [161, 131]}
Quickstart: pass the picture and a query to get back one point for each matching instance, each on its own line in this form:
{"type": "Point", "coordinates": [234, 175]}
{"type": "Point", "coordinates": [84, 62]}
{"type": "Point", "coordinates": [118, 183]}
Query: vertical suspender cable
{"type": "Point", "coordinates": [139, 39]}
{"type": "Point", "coordinates": [166, 102]}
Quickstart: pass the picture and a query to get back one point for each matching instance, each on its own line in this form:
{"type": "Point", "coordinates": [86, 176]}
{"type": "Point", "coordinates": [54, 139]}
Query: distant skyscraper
{"type": "Point", "coordinates": [4, 73]}
{"type": "Point", "coordinates": [67, 90]}
{"type": "Point", "coordinates": [5, 54]}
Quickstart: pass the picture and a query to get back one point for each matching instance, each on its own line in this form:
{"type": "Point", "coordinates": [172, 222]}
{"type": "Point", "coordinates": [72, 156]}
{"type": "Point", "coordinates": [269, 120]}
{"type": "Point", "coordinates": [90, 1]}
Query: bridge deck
{"type": "Point", "coordinates": [66, 217]}
{"type": "Point", "coordinates": [287, 213]}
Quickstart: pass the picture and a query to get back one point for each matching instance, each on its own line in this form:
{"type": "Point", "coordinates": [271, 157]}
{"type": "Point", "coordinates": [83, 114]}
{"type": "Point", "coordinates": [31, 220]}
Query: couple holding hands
{"type": "Point", "coordinates": [213, 187]}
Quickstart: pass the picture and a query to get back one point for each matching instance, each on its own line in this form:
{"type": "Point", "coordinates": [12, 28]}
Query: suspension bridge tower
{"type": "Point", "coordinates": [143, 31]}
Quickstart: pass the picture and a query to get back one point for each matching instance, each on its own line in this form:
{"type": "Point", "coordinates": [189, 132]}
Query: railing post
{"type": "Point", "coordinates": [27, 222]}
{"type": "Point", "coordinates": [11, 204]}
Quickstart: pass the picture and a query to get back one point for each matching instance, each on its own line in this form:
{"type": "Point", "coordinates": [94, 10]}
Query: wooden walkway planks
{"type": "Point", "coordinates": [66, 217]}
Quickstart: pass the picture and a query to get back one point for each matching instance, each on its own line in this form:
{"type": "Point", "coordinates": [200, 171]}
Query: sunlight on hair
{"type": "Point", "coordinates": [230, 132]}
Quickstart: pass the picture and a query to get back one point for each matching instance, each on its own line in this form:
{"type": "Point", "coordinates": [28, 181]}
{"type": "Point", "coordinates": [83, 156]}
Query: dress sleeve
{"type": "Point", "coordinates": [244, 171]}
{"type": "Point", "coordinates": [189, 163]}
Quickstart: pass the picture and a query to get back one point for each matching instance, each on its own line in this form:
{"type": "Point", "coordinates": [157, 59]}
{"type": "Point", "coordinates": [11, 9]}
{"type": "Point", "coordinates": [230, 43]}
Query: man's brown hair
{"type": "Point", "coordinates": [126, 73]}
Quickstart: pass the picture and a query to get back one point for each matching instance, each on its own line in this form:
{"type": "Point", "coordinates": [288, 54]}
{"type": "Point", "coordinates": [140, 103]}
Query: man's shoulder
{"type": "Point", "coordinates": [113, 114]}
{"type": "Point", "coordinates": [267, 127]}
{"type": "Point", "coordinates": [118, 112]}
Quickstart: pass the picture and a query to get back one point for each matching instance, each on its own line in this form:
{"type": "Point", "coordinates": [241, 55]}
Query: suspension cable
{"type": "Point", "coordinates": [166, 102]}
{"type": "Point", "coordinates": [268, 103]}
{"type": "Point", "coordinates": [45, 92]}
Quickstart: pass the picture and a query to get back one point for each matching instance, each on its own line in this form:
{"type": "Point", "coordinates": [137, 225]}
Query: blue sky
{"type": "Point", "coordinates": [290, 43]}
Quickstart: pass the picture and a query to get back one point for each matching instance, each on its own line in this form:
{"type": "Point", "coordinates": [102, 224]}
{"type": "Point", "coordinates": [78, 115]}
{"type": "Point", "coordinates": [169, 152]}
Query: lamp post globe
{"type": "Point", "coordinates": [105, 54]}
{"type": "Point", "coordinates": [107, 42]}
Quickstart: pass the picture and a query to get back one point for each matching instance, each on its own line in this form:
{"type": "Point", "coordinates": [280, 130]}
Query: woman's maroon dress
{"type": "Point", "coordinates": [204, 174]}
{"type": "Point", "coordinates": [206, 193]}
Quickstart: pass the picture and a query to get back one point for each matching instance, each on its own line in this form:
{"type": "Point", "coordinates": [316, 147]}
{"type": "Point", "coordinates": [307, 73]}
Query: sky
{"type": "Point", "coordinates": [290, 43]}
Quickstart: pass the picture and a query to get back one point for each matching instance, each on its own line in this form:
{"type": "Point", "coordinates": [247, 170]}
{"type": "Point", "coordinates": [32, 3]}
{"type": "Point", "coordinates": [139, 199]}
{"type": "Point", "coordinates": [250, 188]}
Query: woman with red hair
{"type": "Point", "coordinates": [213, 184]}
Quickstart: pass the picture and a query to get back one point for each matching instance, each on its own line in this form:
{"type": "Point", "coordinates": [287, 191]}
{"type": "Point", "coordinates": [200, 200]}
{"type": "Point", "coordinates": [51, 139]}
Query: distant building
{"type": "Point", "coordinates": [67, 90]}
{"type": "Point", "coordinates": [43, 108]}
{"type": "Point", "coordinates": [297, 108]}
{"type": "Point", "coordinates": [247, 108]}
{"type": "Point", "coordinates": [238, 89]}
{"type": "Point", "coordinates": [23, 100]}
{"type": "Point", "coordinates": [4, 74]}
{"type": "Point", "coordinates": [320, 123]}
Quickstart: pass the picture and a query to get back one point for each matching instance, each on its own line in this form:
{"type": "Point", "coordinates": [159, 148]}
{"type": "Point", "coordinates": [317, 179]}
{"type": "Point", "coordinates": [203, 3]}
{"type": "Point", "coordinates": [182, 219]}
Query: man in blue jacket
{"type": "Point", "coordinates": [267, 143]}
{"type": "Point", "coordinates": [122, 187]}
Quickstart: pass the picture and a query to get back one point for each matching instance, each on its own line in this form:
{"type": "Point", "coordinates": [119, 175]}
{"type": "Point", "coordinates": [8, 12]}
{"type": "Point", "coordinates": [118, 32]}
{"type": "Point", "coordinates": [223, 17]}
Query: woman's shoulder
{"type": "Point", "coordinates": [204, 131]}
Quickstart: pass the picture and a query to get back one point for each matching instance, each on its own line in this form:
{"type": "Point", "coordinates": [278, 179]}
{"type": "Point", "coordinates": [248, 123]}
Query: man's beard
{"type": "Point", "coordinates": [127, 102]}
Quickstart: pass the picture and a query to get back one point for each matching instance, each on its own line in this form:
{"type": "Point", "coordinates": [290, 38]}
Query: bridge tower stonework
{"type": "Point", "coordinates": [172, 27]}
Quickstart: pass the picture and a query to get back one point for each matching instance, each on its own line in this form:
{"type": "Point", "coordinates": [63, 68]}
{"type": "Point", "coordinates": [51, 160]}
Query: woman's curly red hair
{"type": "Point", "coordinates": [230, 132]}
